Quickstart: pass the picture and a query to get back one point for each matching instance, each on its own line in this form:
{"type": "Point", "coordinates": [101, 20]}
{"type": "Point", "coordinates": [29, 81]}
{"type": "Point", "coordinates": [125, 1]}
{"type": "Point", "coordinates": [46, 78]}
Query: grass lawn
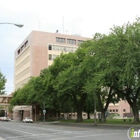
{"type": "Point", "coordinates": [108, 121]}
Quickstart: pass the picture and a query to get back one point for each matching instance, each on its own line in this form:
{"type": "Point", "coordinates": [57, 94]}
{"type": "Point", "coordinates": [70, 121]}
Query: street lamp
{"type": "Point", "coordinates": [18, 25]}
{"type": "Point", "coordinates": [95, 122]}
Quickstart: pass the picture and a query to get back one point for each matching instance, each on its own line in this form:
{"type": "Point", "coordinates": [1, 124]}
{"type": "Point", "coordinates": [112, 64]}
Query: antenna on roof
{"type": "Point", "coordinates": [63, 24]}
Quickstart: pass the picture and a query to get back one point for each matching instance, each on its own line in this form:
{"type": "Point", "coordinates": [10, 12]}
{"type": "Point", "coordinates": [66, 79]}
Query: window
{"type": "Point", "coordinates": [26, 43]}
{"type": "Point", "coordinates": [84, 114]}
{"type": "Point", "coordinates": [124, 110]}
{"type": "Point", "coordinates": [60, 40]}
{"type": "Point", "coordinates": [54, 56]}
{"type": "Point", "coordinates": [22, 48]}
{"type": "Point", "coordinates": [50, 56]}
{"type": "Point", "coordinates": [50, 47]}
{"type": "Point", "coordinates": [61, 48]}
{"type": "Point", "coordinates": [68, 49]}
{"type": "Point", "coordinates": [110, 110]}
{"type": "Point", "coordinates": [55, 48]}
{"type": "Point", "coordinates": [116, 110]}
{"type": "Point", "coordinates": [18, 52]}
{"type": "Point", "coordinates": [80, 41]}
{"type": "Point", "coordinates": [71, 41]}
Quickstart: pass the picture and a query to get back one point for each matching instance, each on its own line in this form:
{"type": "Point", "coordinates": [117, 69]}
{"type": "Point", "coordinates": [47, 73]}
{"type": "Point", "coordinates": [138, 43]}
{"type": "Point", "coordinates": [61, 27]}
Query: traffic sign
{"type": "Point", "coordinates": [44, 111]}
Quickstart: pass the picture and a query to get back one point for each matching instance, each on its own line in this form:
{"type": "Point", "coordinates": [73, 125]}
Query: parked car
{"type": "Point", "coordinates": [27, 120]}
{"type": "Point", "coordinates": [5, 119]}
{"type": "Point", "coordinates": [1, 118]}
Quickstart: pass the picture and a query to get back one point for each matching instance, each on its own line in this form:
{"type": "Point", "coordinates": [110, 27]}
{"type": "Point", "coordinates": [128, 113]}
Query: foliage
{"type": "Point", "coordinates": [106, 68]}
{"type": "Point", "coordinates": [2, 83]}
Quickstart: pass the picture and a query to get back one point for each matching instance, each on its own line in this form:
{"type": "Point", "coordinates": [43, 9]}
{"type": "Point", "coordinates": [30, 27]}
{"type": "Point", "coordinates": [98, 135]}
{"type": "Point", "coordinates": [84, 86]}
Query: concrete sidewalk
{"type": "Point", "coordinates": [92, 124]}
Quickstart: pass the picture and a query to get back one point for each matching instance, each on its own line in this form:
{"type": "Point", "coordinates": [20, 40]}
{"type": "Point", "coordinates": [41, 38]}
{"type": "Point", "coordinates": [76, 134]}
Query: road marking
{"type": "Point", "coordinates": [87, 136]}
{"type": "Point", "coordinates": [34, 135]}
{"type": "Point", "coordinates": [1, 138]}
{"type": "Point", "coordinates": [17, 130]}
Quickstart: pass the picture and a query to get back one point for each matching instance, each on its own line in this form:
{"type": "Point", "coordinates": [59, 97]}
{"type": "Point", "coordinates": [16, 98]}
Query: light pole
{"type": "Point", "coordinates": [21, 113]}
{"type": "Point", "coordinates": [35, 111]}
{"type": "Point", "coordinates": [18, 25]}
{"type": "Point", "coordinates": [95, 122]}
{"type": "Point", "coordinates": [44, 111]}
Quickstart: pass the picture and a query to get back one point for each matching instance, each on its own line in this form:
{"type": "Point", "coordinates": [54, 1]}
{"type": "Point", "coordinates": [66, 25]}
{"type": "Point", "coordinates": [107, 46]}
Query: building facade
{"type": "Point", "coordinates": [122, 108]}
{"type": "Point", "coordinates": [35, 53]}
{"type": "Point", "coordinates": [38, 51]}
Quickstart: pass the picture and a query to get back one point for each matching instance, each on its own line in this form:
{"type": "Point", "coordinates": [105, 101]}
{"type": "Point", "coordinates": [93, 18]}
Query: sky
{"type": "Point", "coordinates": [83, 17]}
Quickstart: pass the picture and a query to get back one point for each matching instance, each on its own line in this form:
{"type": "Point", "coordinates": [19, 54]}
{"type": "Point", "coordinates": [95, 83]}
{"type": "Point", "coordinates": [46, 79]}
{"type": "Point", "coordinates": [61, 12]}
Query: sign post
{"type": "Point", "coordinates": [44, 112]}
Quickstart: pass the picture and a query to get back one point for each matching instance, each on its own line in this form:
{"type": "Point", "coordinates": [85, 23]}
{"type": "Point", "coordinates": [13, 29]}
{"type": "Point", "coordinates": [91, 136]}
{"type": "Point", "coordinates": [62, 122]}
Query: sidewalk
{"type": "Point", "coordinates": [92, 124]}
{"type": "Point", "coordinates": [88, 124]}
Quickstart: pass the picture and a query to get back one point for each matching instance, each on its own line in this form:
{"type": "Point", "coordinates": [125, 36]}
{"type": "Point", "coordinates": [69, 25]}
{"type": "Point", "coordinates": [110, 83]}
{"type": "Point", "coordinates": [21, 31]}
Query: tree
{"type": "Point", "coordinates": [26, 94]}
{"type": "Point", "coordinates": [2, 83]}
{"type": "Point", "coordinates": [92, 67]}
{"type": "Point", "coordinates": [117, 63]}
{"type": "Point", "coordinates": [90, 105]}
{"type": "Point", "coordinates": [128, 53]}
{"type": "Point", "coordinates": [69, 80]}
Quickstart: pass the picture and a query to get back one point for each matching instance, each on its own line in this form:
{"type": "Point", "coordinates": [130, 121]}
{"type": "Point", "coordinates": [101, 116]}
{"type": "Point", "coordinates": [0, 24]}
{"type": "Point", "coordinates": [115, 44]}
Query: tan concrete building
{"type": "Point", "coordinates": [37, 52]}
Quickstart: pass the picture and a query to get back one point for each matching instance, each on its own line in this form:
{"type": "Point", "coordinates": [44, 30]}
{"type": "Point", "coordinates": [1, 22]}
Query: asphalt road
{"type": "Point", "coordinates": [40, 131]}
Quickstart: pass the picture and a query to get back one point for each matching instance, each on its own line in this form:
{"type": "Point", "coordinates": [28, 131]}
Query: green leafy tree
{"type": "Point", "coordinates": [2, 83]}
{"type": "Point", "coordinates": [117, 63]}
{"type": "Point", "coordinates": [26, 94]}
{"type": "Point", "coordinates": [69, 80]}
{"type": "Point", "coordinates": [90, 105]}
{"type": "Point", "coordinates": [92, 67]}
{"type": "Point", "coordinates": [128, 55]}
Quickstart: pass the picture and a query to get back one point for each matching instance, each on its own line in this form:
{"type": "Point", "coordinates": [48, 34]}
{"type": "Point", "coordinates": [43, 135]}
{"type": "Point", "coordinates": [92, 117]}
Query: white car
{"type": "Point", "coordinates": [27, 120]}
{"type": "Point", "coordinates": [5, 119]}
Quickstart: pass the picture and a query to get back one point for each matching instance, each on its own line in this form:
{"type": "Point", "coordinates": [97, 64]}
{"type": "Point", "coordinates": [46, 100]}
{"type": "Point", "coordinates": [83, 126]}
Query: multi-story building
{"type": "Point", "coordinates": [37, 52]}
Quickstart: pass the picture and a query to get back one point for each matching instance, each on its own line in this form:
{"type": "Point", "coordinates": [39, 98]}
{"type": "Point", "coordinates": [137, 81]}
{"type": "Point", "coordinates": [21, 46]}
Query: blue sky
{"type": "Point", "coordinates": [84, 17]}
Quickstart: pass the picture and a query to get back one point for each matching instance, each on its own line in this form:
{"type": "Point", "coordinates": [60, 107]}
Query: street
{"type": "Point", "coordinates": [40, 131]}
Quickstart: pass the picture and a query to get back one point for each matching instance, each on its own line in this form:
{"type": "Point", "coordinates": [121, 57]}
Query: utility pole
{"type": "Point", "coordinates": [95, 122]}
{"type": "Point", "coordinates": [44, 111]}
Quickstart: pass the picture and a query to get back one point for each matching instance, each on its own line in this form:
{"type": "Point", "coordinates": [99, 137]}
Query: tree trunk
{"type": "Point", "coordinates": [133, 105]}
{"type": "Point", "coordinates": [103, 117]}
{"type": "Point", "coordinates": [135, 113]}
{"type": "Point", "coordinates": [102, 108]}
{"type": "Point", "coordinates": [88, 115]}
{"type": "Point", "coordinates": [79, 114]}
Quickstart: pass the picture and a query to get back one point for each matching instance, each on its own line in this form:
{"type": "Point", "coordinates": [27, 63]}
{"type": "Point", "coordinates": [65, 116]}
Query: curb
{"type": "Point", "coordinates": [92, 125]}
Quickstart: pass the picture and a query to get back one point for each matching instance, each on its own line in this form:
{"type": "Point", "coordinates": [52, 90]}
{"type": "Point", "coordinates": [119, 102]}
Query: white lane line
{"type": "Point", "coordinates": [2, 138]}
{"type": "Point", "coordinates": [34, 135]}
{"type": "Point", "coordinates": [44, 128]}
{"type": "Point", "coordinates": [86, 136]}
{"type": "Point", "coordinates": [15, 137]}
{"type": "Point", "coordinates": [17, 130]}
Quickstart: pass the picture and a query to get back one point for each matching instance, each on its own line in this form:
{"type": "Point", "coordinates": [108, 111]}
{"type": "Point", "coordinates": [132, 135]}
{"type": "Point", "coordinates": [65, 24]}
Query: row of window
{"type": "Point", "coordinates": [62, 48]}
{"type": "Point", "coordinates": [22, 47]}
{"type": "Point", "coordinates": [116, 110]}
{"type": "Point", "coordinates": [52, 56]}
{"type": "Point", "coordinates": [69, 41]}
